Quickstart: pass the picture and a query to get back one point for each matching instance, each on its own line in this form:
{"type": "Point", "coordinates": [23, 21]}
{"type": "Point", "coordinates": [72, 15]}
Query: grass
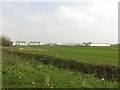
{"type": "Point", "coordinates": [20, 72]}
{"type": "Point", "coordinates": [99, 55]}
{"type": "Point", "coordinates": [93, 55]}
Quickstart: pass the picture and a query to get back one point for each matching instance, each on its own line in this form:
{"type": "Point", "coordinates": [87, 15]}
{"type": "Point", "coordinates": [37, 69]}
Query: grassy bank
{"type": "Point", "coordinates": [19, 72]}
{"type": "Point", "coordinates": [106, 71]}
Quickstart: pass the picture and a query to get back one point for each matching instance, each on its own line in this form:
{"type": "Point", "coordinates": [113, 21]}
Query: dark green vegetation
{"type": "Point", "coordinates": [21, 72]}
{"type": "Point", "coordinates": [5, 41]}
{"type": "Point", "coordinates": [0, 68]}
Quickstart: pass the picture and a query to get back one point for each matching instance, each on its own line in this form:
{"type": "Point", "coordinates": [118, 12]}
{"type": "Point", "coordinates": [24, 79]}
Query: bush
{"type": "Point", "coordinates": [5, 41]}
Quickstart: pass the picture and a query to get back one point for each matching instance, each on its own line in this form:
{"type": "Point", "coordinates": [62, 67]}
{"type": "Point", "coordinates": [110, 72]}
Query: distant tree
{"type": "Point", "coordinates": [89, 42]}
{"type": "Point", "coordinates": [5, 41]}
{"type": "Point", "coordinates": [20, 41]}
{"type": "Point", "coordinates": [84, 42]}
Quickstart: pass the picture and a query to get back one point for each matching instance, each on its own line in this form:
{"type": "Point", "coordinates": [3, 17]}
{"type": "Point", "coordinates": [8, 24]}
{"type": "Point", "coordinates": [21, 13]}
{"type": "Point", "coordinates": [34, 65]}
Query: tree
{"type": "Point", "coordinates": [5, 41]}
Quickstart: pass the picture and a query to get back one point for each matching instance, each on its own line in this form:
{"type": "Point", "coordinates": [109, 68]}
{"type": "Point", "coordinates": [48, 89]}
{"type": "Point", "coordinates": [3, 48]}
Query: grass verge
{"type": "Point", "coordinates": [21, 72]}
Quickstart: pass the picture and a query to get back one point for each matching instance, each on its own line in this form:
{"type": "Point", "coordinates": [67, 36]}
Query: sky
{"type": "Point", "coordinates": [64, 22]}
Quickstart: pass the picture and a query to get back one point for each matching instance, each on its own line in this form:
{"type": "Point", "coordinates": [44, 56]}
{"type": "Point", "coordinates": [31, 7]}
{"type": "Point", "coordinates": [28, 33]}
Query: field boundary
{"type": "Point", "coordinates": [108, 72]}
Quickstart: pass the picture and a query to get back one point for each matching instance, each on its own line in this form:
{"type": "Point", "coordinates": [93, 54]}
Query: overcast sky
{"type": "Point", "coordinates": [88, 20]}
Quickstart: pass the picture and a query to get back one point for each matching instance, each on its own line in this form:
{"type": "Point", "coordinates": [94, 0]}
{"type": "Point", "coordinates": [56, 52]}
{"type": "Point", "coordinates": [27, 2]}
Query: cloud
{"type": "Point", "coordinates": [35, 18]}
{"type": "Point", "coordinates": [89, 13]}
{"type": "Point", "coordinates": [74, 14]}
{"type": "Point", "coordinates": [64, 22]}
{"type": "Point", "coordinates": [106, 8]}
{"type": "Point", "coordinates": [9, 6]}
{"type": "Point", "coordinates": [7, 23]}
{"type": "Point", "coordinates": [15, 6]}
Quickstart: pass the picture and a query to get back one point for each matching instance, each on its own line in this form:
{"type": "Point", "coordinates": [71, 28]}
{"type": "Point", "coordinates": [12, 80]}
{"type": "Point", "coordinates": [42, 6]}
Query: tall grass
{"type": "Point", "coordinates": [21, 72]}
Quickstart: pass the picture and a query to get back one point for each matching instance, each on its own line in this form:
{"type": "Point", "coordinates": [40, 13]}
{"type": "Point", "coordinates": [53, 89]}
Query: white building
{"type": "Point", "coordinates": [35, 44]}
{"type": "Point", "coordinates": [30, 44]}
{"type": "Point", "coordinates": [14, 44]}
{"type": "Point", "coordinates": [82, 44]}
{"type": "Point", "coordinates": [58, 44]}
{"type": "Point", "coordinates": [21, 44]}
{"type": "Point", "coordinates": [42, 44]}
{"type": "Point", "coordinates": [99, 44]}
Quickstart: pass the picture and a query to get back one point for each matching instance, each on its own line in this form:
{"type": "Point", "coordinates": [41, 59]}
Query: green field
{"type": "Point", "coordinates": [19, 72]}
{"type": "Point", "coordinates": [93, 55]}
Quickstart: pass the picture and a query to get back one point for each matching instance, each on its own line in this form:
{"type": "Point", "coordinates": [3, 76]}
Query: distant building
{"type": "Point", "coordinates": [82, 44]}
{"type": "Point", "coordinates": [42, 44]}
{"type": "Point", "coordinates": [22, 43]}
{"type": "Point", "coordinates": [14, 44]}
{"type": "Point", "coordinates": [99, 44]}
